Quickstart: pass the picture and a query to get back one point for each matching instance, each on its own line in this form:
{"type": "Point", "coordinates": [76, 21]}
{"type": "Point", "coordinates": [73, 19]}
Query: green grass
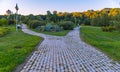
{"type": "Point", "coordinates": [14, 48]}
{"type": "Point", "coordinates": [3, 31]}
{"type": "Point", "coordinates": [108, 42]}
{"type": "Point", "coordinates": [61, 33]}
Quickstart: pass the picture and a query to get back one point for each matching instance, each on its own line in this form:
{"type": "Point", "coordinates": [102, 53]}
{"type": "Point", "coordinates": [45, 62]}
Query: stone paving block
{"type": "Point", "coordinates": [67, 54]}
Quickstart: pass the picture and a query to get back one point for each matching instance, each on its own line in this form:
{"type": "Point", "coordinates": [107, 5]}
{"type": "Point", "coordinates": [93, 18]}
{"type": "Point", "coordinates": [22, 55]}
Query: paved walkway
{"type": "Point", "coordinates": [67, 54]}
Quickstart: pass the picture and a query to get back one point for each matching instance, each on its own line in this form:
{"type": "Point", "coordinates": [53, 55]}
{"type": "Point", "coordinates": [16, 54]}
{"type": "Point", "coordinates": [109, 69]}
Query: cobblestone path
{"type": "Point", "coordinates": [67, 54]}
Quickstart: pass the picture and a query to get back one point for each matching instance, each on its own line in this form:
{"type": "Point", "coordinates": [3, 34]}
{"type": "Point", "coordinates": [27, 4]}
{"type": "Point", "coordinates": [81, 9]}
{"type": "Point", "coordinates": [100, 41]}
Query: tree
{"type": "Point", "coordinates": [104, 19]}
{"type": "Point", "coordinates": [54, 17]}
{"type": "Point", "coordinates": [48, 16]}
{"type": "Point", "coordinates": [116, 22]}
{"type": "Point", "coordinates": [96, 21]}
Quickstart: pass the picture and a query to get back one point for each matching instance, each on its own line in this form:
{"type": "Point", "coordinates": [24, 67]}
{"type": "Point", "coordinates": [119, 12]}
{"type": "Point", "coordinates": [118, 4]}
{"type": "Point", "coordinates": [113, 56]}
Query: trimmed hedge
{"type": "Point", "coordinates": [3, 31]}
{"type": "Point", "coordinates": [35, 23]}
{"type": "Point", "coordinates": [67, 25]}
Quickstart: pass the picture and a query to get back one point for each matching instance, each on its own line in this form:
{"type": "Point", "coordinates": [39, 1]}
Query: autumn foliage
{"type": "Point", "coordinates": [104, 17]}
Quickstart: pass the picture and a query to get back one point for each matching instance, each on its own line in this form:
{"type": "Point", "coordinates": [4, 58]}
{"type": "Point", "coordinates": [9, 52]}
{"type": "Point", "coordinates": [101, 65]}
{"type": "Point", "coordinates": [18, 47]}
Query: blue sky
{"type": "Point", "coordinates": [41, 6]}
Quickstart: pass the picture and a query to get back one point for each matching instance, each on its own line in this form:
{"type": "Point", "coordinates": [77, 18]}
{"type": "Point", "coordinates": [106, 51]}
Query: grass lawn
{"type": "Point", "coordinates": [108, 42]}
{"type": "Point", "coordinates": [14, 48]}
{"type": "Point", "coordinates": [61, 33]}
{"type": "Point", "coordinates": [3, 31]}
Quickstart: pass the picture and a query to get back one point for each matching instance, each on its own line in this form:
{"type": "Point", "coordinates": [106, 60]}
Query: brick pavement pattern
{"type": "Point", "coordinates": [67, 54]}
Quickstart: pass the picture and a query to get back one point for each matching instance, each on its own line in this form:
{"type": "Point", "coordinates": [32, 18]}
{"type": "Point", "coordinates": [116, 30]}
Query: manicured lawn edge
{"type": "Point", "coordinates": [15, 48]}
{"type": "Point", "coordinates": [112, 55]}
{"type": "Point", "coordinates": [61, 33]}
{"type": "Point", "coordinates": [93, 46]}
{"type": "Point", "coordinates": [20, 67]}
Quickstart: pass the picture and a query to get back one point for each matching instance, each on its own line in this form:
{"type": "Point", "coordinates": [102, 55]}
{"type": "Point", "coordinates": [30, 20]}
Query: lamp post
{"type": "Point", "coordinates": [16, 7]}
{"type": "Point", "coordinates": [20, 20]}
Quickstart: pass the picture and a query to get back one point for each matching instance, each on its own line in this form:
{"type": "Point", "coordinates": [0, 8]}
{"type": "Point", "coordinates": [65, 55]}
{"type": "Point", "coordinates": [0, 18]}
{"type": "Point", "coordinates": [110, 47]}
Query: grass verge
{"type": "Point", "coordinates": [108, 42]}
{"type": "Point", "coordinates": [14, 48]}
{"type": "Point", "coordinates": [3, 31]}
{"type": "Point", "coordinates": [61, 33]}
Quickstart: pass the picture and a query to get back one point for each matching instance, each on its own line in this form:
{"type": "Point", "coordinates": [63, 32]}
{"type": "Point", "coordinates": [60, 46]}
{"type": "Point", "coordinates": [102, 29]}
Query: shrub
{"type": "Point", "coordinates": [116, 22]}
{"type": "Point", "coordinates": [36, 23]}
{"type": "Point", "coordinates": [117, 25]}
{"type": "Point", "coordinates": [3, 22]}
{"type": "Point", "coordinates": [3, 31]}
{"type": "Point", "coordinates": [48, 27]}
{"type": "Point", "coordinates": [57, 28]}
{"type": "Point", "coordinates": [111, 28]}
{"type": "Point", "coordinates": [108, 28]}
{"type": "Point", "coordinates": [103, 28]}
{"type": "Point", "coordinates": [67, 25]}
{"type": "Point", "coordinates": [82, 24]}
{"type": "Point", "coordinates": [11, 22]}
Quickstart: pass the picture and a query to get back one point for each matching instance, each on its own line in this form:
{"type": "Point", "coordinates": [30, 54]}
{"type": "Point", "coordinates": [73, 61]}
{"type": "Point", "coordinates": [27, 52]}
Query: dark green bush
{"type": "Point", "coordinates": [82, 24]}
{"type": "Point", "coordinates": [36, 23]}
{"type": "Point", "coordinates": [11, 22]}
{"type": "Point", "coordinates": [117, 25]}
{"type": "Point", "coordinates": [108, 28]}
{"type": "Point", "coordinates": [3, 22]}
{"type": "Point", "coordinates": [67, 25]}
{"type": "Point", "coordinates": [103, 28]}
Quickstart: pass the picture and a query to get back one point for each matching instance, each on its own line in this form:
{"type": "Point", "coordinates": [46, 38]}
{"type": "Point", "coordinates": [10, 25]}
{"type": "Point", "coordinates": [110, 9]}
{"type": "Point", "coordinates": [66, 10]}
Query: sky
{"type": "Point", "coordinates": [41, 6]}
